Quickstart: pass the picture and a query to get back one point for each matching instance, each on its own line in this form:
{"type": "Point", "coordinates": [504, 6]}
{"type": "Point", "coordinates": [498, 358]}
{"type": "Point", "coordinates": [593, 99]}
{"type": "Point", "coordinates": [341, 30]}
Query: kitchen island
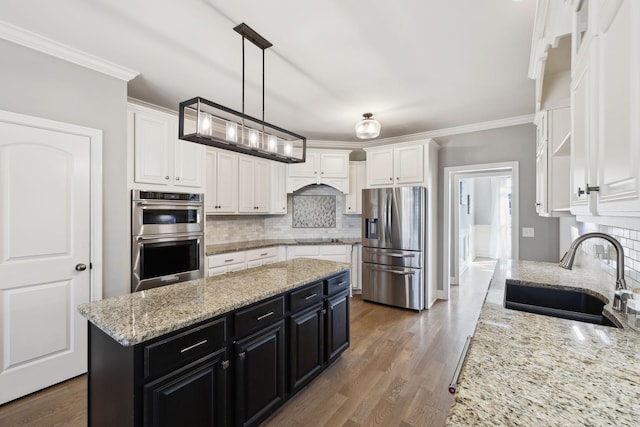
{"type": "Point", "coordinates": [223, 350]}
{"type": "Point", "coordinates": [530, 369]}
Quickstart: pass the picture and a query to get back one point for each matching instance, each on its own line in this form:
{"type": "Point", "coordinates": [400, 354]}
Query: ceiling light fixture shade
{"type": "Point", "coordinates": [367, 128]}
{"type": "Point", "coordinates": [205, 122]}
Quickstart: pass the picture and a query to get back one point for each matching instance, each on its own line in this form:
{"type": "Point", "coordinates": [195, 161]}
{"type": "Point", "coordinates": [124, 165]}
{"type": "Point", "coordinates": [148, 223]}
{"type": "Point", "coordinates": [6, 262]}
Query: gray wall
{"type": "Point", "coordinates": [514, 143]}
{"type": "Point", "coordinates": [36, 84]}
{"type": "Point", "coordinates": [483, 205]}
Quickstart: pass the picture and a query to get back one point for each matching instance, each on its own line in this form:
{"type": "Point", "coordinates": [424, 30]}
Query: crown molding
{"type": "Point", "coordinates": [456, 130]}
{"type": "Point", "coordinates": [51, 47]}
{"type": "Point", "coordinates": [319, 143]}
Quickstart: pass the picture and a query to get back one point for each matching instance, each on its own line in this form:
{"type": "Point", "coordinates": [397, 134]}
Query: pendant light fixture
{"type": "Point", "coordinates": [208, 123]}
{"type": "Point", "coordinates": [367, 128]}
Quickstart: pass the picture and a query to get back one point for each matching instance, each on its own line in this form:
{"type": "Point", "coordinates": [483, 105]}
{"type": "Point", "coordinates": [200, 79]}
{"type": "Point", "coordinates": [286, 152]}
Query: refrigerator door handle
{"type": "Point", "coordinates": [388, 222]}
{"type": "Point", "coordinates": [393, 255]}
{"type": "Point", "coordinates": [386, 270]}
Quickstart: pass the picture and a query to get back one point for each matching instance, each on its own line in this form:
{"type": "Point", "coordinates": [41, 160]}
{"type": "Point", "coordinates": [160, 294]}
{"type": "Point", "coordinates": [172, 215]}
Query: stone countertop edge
{"type": "Point", "coordinates": [134, 318]}
{"type": "Point", "coordinates": [223, 248]}
{"type": "Point", "coordinates": [530, 369]}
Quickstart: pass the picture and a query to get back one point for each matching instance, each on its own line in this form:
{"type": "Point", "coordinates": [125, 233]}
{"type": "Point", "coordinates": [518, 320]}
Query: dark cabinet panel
{"type": "Point", "coordinates": [258, 316]}
{"type": "Point", "coordinates": [337, 325]}
{"type": "Point", "coordinates": [306, 346]}
{"type": "Point", "coordinates": [306, 296]}
{"type": "Point", "coordinates": [259, 374]}
{"type": "Point", "coordinates": [194, 396]}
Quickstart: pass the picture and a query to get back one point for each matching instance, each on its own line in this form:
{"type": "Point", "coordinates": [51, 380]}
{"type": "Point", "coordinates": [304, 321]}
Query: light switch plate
{"type": "Point", "coordinates": [528, 232]}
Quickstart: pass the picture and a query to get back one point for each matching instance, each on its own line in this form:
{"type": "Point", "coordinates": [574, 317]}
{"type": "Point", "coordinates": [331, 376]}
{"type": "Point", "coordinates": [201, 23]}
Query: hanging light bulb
{"type": "Point", "coordinates": [367, 128]}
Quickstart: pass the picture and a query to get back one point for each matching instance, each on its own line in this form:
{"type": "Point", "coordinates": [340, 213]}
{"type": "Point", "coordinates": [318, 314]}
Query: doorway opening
{"type": "Point", "coordinates": [480, 217]}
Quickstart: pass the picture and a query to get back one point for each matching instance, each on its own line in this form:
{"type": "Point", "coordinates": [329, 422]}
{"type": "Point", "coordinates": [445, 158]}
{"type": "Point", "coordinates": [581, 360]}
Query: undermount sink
{"type": "Point", "coordinates": [574, 305]}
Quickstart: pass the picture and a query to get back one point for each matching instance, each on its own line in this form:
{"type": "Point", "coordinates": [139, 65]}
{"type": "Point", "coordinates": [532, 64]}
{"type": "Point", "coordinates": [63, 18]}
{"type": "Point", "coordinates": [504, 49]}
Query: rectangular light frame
{"type": "Point", "coordinates": [205, 122]}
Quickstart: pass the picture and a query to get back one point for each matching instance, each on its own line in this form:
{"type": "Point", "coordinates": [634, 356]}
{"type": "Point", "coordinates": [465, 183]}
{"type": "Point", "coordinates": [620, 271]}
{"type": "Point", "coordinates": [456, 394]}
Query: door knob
{"type": "Point", "coordinates": [81, 267]}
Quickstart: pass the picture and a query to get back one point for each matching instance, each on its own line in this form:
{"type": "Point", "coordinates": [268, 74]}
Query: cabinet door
{"type": "Point", "coordinates": [278, 188]}
{"type": "Point", "coordinates": [210, 195]}
{"type": "Point", "coordinates": [350, 199]}
{"type": "Point", "coordinates": [259, 374]}
{"type": "Point", "coordinates": [337, 325]}
{"type": "Point", "coordinates": [334, 165]}
{"type": "Point", "coordinates": [245, 185]}
{"type": "Point", "coordinates": [541, 179]}
{"type": "Point", "coordinates": [261, 185]}
{"type": "Point", "coordinates": [408, 165]}
{"type": "Point", "coordinates": [582, 128]}
{"type": "Point", "coordinates": [306, 346]}
{"type": "Point", "coordinates": [153, 148]}
{"type": "Point", "coordinates": [188, 163]}
{"type": "Point", "coordinates": [618, 157]}
{"type": "Point", "coordinates": [226, 182]}
{"type": "Point", "coordinates": [189, 397]}
{"type": "Point", "coordinates": [380, 168]}
{"type": "Point", "coordinates": [308, 169]}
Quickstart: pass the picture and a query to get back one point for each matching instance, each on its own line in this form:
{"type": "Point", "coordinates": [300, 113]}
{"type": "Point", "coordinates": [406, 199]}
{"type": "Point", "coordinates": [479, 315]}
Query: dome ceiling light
{"type": "Point", "coordinates": [367, 128]}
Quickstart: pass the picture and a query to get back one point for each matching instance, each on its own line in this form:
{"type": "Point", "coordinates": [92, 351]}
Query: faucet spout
{"type": "Point", "coordinates": [569, 256]}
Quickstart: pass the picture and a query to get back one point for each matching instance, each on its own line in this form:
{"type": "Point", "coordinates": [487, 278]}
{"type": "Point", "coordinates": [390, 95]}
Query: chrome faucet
{"type": "Point", "coordinates": [620, 297]}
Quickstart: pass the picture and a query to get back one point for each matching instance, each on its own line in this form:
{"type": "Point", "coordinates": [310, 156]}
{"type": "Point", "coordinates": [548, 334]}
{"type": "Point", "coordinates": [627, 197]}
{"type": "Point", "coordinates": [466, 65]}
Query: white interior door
{"type": "Point", "coordinates": [45, 220]}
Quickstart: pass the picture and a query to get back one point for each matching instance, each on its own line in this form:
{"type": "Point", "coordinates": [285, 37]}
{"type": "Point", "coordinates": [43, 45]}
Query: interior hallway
{"type": "Point", "coordinates": [395, 373]}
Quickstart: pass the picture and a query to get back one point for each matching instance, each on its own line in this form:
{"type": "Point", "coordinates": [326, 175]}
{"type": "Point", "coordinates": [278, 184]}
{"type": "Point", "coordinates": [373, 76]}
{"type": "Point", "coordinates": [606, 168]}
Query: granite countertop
{"type": "Point", "coordinates": [530, 369]}
{"type": "Point", "coordinates": [224, 248]}
{"type": "Point", "coordinates": [140, 316]}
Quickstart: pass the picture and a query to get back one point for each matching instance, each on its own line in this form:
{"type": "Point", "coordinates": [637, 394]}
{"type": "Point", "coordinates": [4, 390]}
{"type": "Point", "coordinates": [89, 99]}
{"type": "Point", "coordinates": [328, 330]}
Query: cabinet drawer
{"type": "Point", "coordinates": [305, 251]}
{"type": "Point", "coordinates": [333, 250]}
{"type": "Point", "coordinates": [171, 353]}
{"type": "Point", "coordinates": [261, 253]}
{"type": "Point", "coordinates": [258, 316]}
{"type": "Point", "coordinates": [307, 296]}
{"type": "Point", "coordinates": [226, 259]}
{"type": "Point", "coordinates": [337, 283]}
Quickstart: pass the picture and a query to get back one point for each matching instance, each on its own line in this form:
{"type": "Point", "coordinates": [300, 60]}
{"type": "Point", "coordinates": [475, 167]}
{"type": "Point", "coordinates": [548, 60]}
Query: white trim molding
{"type": "Point", "coordinates": [67, 53]}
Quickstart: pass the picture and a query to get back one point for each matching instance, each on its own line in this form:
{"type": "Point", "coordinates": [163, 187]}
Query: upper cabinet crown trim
{"type": "Point", "coordinates": [45, 45]}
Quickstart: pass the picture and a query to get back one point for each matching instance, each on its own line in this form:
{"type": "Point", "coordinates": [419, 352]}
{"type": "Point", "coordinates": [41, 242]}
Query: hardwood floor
{"type": "Point", "coordinates": [395, 373]}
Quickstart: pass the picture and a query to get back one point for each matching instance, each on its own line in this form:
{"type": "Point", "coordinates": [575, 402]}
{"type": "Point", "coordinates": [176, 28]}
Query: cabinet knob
{"type": "Point", "coordinates": [177, 178]}
{"type": "Point", "coordinates": [390, 179]}
{"type": "Point", "coordinates": [321, 173]}
{"type": "Point", "coordinates": [166, 177]}
{"type": "Point", "coordinates": [397, 179]}
{"type": "Point", "coordinates": [315, 172]}
{"type": "Point", "coordinates": [538, 204]}
{"type": "Point", "coordinates": [81, 267]}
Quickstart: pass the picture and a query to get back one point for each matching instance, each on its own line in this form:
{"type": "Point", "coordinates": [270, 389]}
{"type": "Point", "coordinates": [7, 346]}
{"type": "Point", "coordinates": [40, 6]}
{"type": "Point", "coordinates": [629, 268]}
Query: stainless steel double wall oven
{"type": "Point", "coordinates": [167, 244]}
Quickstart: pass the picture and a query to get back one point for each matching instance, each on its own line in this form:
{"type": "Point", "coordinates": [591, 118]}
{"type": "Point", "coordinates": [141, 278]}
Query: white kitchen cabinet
{"type": "Point", "coordinates": [278, 188]}
{"type": "Point", "coordinates": [262, 256]}
{"type": "Point", "coordinates": [552, 161]}
{"type": "Point", "coordinates": [160, 158]}
{"type": "Point", "coordinates": [222, 182]}
{"type": "Point", "coordinates": [618, 109]}
{"type": "Point", "coordinates": [357, 181]}
{"type": "Point", "coordinates": [253, 185]}
{"type": "Point", "coordinates": [583, 128]}
{"type": "Point", "coordinates": [329, 167]}
{"type": "Point", "coordinates": [226, 263]}
{"type": "Point", "coordinates": [396, 166]}
{"type": "Point", "coordinates": [339, 253]}
{"type": "Point", "coordinates": [402, 164]}
{"type": "Point", "coordinates": [605, 141]}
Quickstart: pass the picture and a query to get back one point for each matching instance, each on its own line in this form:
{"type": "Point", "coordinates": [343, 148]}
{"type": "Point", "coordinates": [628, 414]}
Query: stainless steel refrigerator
{"type": "Point", "coordinates": [394, 246]}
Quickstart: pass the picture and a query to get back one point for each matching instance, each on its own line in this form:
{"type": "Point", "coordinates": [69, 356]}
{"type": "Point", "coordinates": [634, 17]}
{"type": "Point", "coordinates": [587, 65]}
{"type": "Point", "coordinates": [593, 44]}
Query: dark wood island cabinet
{"type": "Point", "coordinates": [234, 368]}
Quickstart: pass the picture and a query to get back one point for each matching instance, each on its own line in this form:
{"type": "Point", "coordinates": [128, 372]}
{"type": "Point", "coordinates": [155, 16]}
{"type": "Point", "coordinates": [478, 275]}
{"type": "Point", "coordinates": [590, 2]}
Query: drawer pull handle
{"type": "Point", "coordinates": [191, 347]}
{"type": "Point", "coordinates": [228, 260]}
{"type": "Point", "coordinates": [310, 296]}
{"type": "Point", "coordinates": [242, 355]}
{"type": "Point", "coordinates": [264, 316]}
{"type": "Point", "coordinates": [341, 283]}
{"type": "Point", "coordinates": [225, 364]}
{"type": "Point", "coordinates": [264, 254]}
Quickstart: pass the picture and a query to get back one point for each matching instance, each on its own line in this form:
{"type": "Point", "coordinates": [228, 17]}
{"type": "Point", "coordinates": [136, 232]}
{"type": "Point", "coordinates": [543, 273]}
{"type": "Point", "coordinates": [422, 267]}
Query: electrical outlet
{"type": "Point", "coordinates": [528, 232]}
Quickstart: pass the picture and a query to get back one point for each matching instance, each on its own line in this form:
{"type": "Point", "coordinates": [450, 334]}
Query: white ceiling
{"type": "Point", "coordinates": [417, 65]}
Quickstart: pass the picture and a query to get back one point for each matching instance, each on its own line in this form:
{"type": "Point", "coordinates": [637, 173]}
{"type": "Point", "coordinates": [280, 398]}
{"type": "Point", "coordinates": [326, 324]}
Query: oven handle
{"type": "Point", "coordinates": [172, 204]}
{"type": "Point", "coordinates": [167, 237]}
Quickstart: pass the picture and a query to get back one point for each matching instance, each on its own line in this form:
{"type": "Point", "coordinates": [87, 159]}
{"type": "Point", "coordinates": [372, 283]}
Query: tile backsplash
{"type": "Point", "coordinates": [314, 211]}
{"type": "Point", "coordinates": [237, 228]}
{"type": "Point", "coordinates": [591, 254]}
